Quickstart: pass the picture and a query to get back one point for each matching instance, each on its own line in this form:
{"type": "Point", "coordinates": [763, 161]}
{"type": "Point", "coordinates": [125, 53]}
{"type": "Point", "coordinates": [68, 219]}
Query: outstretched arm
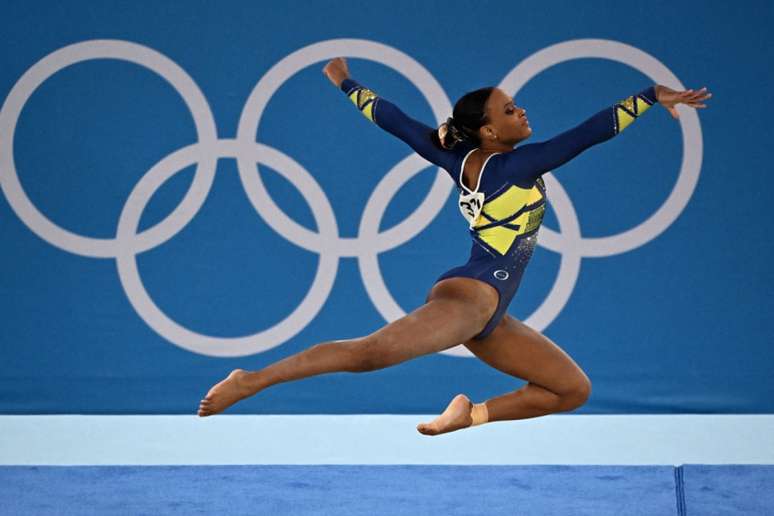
{"type": "Point", "coordinates": [530, 161]}
{"type": "Point", "coordinates": [388, 116]}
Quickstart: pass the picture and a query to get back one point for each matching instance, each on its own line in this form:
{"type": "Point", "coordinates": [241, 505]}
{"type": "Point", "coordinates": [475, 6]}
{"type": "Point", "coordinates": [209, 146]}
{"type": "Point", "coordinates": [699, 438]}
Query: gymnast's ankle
{"type": "Point", "coordinates": [479, 414]}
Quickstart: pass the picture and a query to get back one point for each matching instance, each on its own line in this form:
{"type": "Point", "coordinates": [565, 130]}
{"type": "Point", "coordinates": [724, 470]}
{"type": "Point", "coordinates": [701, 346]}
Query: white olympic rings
{"type": "Point", "coordinates": [327, 243]}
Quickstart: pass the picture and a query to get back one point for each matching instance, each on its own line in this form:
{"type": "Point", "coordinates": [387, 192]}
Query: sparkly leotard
{"type": "Point", "coordinates": [505, 210]}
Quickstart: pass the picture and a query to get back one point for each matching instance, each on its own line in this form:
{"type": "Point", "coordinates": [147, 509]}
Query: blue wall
{"type": "Point", "coordinates": [675, 319]}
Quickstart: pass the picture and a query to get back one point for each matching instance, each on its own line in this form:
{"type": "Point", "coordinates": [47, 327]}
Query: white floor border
{"type": "Point", "coordinates": [385, 439]}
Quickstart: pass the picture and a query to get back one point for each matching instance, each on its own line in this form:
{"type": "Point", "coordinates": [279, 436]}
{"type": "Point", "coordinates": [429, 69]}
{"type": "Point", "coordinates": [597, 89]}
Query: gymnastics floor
{"type": "Point", "coordinates": [379, 465]}
{"type": "Point", "coordinates": [376, 490]}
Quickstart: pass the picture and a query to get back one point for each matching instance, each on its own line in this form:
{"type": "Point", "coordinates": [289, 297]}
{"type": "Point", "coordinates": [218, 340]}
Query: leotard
{"type": "Point", "coordinates": [505, 211]}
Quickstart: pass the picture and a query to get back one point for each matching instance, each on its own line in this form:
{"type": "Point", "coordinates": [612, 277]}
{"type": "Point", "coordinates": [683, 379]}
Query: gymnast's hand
{"type": "Point", "coordinates": [669, 98]}
{"type": "Point", "coordinates": [337, 71]}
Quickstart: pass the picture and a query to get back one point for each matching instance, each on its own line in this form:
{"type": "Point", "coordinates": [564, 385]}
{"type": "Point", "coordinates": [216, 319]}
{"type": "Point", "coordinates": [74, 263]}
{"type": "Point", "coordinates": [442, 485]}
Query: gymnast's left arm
{"type": "Point", "coordinates": [530, 161]}
{"type": "Point", "coordinates": [388, 116]}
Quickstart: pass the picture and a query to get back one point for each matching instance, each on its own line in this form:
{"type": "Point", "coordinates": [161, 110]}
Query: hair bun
{"type": "Point", "coordinates": [449, 134]}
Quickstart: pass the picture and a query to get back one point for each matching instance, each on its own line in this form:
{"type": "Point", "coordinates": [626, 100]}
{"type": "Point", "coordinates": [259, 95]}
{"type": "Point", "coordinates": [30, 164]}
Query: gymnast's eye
{"type": "Point", "coordinates": [509, 111]}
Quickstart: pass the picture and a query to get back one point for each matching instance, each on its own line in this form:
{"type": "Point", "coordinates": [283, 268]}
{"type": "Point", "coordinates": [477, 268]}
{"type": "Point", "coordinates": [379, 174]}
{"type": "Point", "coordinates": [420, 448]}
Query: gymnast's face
{"type": "Point", "coordinates": [508, 123]}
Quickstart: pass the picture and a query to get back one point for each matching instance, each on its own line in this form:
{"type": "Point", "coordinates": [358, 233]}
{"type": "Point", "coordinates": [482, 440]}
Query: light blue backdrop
{"type": "Point", "coordinates": [680, 322]}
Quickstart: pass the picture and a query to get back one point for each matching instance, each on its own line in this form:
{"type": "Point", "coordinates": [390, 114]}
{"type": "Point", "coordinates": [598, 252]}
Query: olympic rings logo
{"type": "Point", "coordinates": [327, 243]}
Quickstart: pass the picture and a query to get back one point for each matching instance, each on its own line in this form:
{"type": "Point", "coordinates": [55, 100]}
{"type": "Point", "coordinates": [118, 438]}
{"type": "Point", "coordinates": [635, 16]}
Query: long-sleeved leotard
{"type": "Point", "coordinates": [505, 210]}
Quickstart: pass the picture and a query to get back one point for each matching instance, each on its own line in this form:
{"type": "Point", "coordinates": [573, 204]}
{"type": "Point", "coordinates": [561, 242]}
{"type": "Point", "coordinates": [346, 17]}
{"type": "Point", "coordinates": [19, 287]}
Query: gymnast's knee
{"type": "Point", "coordinates": [367, 355]}
{"type": "Point", "coordinates": [576, 396]}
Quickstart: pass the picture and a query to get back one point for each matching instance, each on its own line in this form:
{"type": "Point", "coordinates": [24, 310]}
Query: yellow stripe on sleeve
{"type": "Point", "coordinates": [624, 118]}
{"type": "Point", "coordinates": [364, 100]}
{"type": "Point", "coordinates": [627, 110]}
{"type": "Point", "coordinates": [642, 106]}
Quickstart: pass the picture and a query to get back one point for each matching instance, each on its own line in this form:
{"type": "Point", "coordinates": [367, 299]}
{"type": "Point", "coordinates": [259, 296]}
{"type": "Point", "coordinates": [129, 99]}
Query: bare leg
{"type": "Point", "coordinates": [555, 382]}
{"type": "Point", "coordinates": [457, 309]}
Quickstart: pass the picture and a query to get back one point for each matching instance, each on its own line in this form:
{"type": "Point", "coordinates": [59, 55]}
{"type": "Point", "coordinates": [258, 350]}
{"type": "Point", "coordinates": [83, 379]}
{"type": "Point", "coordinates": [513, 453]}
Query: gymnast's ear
{"type": "Point", "coordinates": [487, 133]}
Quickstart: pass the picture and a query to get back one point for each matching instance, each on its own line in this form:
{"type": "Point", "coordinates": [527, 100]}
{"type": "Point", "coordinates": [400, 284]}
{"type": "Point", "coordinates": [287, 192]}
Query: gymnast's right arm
{"type": "Point", "coordinates": [387, 116]}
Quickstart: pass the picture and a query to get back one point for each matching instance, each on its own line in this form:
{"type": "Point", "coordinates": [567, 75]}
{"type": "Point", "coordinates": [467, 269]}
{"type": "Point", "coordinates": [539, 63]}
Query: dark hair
{"type": "Point", "coordinates": [468, 117]}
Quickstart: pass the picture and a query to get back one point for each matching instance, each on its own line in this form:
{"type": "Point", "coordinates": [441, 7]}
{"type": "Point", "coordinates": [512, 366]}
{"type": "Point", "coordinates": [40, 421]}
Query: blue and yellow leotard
{"type": "Point", "coordinates": [506, 209]}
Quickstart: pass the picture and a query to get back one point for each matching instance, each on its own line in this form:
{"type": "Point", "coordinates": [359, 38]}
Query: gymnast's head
{"type": "Point", "coordinates": [485, 118]}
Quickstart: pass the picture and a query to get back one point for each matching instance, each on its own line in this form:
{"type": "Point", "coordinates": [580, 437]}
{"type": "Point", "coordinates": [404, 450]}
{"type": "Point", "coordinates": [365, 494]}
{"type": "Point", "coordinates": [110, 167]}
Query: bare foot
{"type": "Point", "coordinates": [226, 393]}
{"type": "Point", "coordinates": [456, 416]}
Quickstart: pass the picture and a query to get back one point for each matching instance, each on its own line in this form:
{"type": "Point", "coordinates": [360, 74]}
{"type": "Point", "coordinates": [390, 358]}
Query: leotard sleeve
{"type": "Point", "coordinates": [389, 117]}
{"type": "Point", "coordinates": [526, 163]}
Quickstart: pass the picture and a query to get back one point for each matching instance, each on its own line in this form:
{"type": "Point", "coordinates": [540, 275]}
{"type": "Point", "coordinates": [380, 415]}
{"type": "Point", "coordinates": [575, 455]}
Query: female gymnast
{"type": "Point", "coordinates": [502, 196]}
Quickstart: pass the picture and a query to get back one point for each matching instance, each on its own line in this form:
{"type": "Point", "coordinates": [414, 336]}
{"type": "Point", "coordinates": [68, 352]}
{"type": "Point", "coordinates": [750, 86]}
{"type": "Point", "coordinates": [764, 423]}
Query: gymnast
{"type": "Point", "coordinates": [502, 197]}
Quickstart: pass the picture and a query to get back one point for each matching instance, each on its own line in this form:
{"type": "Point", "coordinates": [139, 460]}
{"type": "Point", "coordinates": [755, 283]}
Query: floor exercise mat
{"type": "Point", "coordinates": [725, 490]}
{"type": "Point", "coordinates": [339, 490]}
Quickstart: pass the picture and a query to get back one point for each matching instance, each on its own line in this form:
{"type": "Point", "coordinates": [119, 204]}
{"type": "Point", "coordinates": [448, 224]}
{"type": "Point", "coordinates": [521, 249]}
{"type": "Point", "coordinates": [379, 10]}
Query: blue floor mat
{"type": "Point", "coordinates": [340, 490]}
{"type": "Point", "coordinates": [725, 490]}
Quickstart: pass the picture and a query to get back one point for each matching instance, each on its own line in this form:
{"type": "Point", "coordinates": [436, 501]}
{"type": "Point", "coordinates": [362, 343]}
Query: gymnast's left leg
{"type": "Point", "coordinates": [555, 383]}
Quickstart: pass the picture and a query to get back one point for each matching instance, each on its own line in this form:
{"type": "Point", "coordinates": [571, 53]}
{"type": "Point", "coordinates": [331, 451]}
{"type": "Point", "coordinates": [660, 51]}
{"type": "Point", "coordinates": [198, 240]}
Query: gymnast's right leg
{"type": "Point", "coordinates": [456, 310]}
